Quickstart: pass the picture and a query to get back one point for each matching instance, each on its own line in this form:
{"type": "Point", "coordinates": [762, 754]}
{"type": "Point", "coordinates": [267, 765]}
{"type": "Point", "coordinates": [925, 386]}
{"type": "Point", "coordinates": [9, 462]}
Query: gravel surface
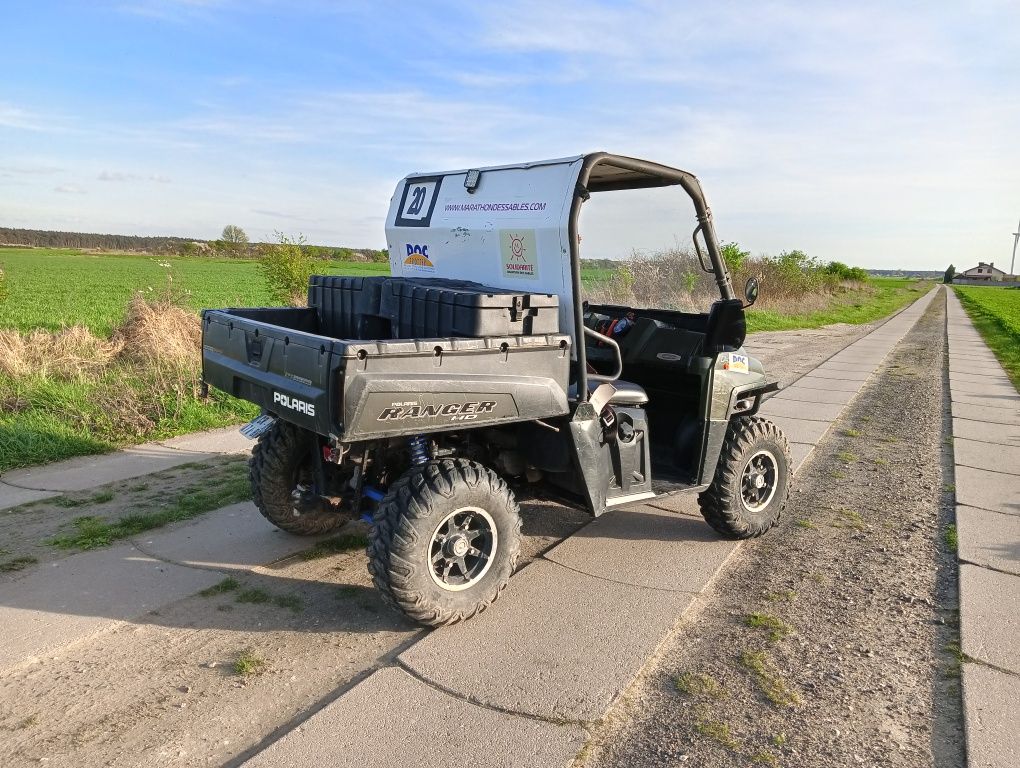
{"type": "Point", "coordinates": [833, 640]}
{"type": "Point", "coordinates": [789, 355]}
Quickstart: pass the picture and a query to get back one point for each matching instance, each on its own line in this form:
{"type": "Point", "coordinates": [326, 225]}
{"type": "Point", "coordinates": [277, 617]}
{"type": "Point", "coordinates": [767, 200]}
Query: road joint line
{"type": "Point", "coordinates": [985, 566]}
{"type": "Point", "coordinates": [421, 678]}
{"type": "Point", "coordinates": [544, 556]}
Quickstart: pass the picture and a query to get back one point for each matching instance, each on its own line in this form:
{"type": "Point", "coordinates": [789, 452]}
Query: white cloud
{"type": "Point", "coordinates": [12, 116]}
{"type": "Point", "coordinates": [116, 176]}
{"type": "Point", "coordinates": [69, 189]}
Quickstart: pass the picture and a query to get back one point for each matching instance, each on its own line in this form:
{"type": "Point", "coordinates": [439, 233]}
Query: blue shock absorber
{"type": "Point", "coordinates": [418, 445]}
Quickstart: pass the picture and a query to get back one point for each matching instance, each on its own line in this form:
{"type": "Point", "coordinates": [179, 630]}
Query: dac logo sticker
{"type": "Point", "coordinates": [518, 252]}
{"type": "Point", "coordinates": [418, 257]}
{"type": "Point", "coordinates": [737, 363]}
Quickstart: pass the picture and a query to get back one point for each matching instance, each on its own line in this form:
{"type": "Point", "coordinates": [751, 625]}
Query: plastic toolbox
{"type": "Point", "coordinates": [348, 307]}
{"type": "Point", "coordinates": [422, 308]}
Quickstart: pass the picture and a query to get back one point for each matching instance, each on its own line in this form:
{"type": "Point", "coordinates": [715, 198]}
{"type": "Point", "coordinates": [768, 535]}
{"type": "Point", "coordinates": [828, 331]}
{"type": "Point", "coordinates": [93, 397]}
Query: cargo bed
{"type": "Point", "coordinates": [337, 368]}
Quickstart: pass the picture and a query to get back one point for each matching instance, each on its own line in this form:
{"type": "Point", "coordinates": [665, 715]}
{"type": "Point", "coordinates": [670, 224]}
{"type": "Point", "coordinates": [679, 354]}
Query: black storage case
{"type": "Point", "coordinates": [348, 307]}
{"type": "Point", "coordinates": [422, 308]}
{"type": "Point", "coordinates": [427, 308]}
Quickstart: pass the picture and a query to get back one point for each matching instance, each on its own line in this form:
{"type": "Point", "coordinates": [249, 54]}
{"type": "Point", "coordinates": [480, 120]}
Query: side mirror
{"type": "Point", "coordinates": [750, 291]}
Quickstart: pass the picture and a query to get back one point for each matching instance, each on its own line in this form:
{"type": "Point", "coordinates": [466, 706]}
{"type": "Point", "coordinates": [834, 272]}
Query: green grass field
{"type": "Point", "coordinates": [995, 312]}
{"type": "Point", "coordinates": [52, 289]}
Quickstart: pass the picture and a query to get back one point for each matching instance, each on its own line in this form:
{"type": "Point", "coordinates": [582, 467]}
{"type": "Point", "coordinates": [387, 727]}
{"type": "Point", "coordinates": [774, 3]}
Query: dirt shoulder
{"type": "Point", "coordinates": [832, 640]}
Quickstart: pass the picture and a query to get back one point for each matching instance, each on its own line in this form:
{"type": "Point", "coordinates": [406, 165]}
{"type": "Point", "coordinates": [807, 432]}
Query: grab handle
{"type": "Point", "coordinates": [616, 348]}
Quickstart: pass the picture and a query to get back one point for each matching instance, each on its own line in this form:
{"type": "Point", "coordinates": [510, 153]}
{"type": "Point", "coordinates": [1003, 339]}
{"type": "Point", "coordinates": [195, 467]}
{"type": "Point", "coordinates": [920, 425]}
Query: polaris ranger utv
{"type": "Point", "coordinates": [429, 399]}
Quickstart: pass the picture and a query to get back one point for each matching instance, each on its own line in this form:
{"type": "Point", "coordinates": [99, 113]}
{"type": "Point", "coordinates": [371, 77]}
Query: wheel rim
{"type": "Point", "coordinates": [758, 481]}
{"type": "Point", "coordinates": [462, 547]}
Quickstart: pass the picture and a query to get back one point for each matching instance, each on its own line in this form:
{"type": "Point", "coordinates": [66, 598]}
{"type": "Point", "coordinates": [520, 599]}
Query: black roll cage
{"type": "Point", "coordinates": [636, 174]}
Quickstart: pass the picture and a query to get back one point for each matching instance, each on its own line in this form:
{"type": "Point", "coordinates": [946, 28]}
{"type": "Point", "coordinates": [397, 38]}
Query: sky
{"type": "Point", "coordinates": [881, 134]}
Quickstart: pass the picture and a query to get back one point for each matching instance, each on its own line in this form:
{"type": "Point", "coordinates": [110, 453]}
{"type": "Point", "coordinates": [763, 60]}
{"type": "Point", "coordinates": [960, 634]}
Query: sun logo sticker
{"type": "Point", "coordinates": [518, 252]}
{"type": "Point", "coordinates": [418, 258]}
{"type": "Point", "coordinates": [517, 247]}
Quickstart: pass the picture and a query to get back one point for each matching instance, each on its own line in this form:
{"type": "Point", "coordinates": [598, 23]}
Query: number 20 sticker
{"type": "Point", "coordinates": [418, 201]}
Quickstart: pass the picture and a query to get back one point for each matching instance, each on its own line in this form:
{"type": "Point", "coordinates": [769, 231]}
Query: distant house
{"type": "Point", "coordinates": [982, 272]}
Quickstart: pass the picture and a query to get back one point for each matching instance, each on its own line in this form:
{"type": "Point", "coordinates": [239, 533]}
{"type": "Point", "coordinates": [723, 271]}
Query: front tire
{"type": "Point", "coordinates": [752, 480]}
{"type": "Point", "coordinates": [280, 460]}
{"type": "Point", "coordinates": [445, 541]}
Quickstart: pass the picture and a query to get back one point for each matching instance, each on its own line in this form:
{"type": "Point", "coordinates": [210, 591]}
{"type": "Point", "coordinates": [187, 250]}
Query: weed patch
{"type": "Point", "coordinates": [248, 664]}
{"type": "Point", "coordinates": [718, 732]}
{"type": "Point", "coordinates": [847, 457]}
{"type": "Point", "coordinates": [699, 685]}
{"type": "Point", "coordinates": [17, 563]}
{"type": "Point", "coordinates": [229, 584]}
{"type": "Point", "coordinates": [952, 538]}
{"type": "Point", "coordinates": [804, 523]}
{"type": "Point", "coordinates": [777, 628]}
{"type": "Point", "coordinates": [953, 668]}
{"type": "Point", "coordinates": [848, 518]}
{"type": "Point", "coordinates": [291, 602]}
{"type": "Point", "coordinates": [769, 683]}
{"type": "Point", "coordinates": [254, 595]}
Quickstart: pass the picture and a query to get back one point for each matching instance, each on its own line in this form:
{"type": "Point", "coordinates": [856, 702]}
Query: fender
{"type": "Point", "coordinates": [759, 392]}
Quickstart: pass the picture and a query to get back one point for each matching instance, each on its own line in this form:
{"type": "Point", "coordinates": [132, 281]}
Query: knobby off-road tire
{"type": "Point", "coordinates": [420, 517]}
{"type": "Point", "coordinates": [278, 460]}
{"type": "Point", "coordinates": [735, 505]}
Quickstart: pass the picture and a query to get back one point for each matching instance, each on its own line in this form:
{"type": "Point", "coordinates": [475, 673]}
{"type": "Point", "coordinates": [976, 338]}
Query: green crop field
{"type": "Point", "coordinates": [996, 314]}
{"type": "Point", "coordinates": [52, 289]}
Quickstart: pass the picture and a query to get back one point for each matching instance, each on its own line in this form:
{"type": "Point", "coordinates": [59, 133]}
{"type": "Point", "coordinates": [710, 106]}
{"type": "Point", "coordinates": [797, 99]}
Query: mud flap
{"type": "Point", "coordinates": [591, 460]}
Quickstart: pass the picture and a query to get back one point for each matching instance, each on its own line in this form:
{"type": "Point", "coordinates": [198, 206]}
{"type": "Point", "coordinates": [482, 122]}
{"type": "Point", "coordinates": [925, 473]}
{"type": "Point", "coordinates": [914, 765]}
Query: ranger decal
{"type": "Point", "coordinates": [463, 411]}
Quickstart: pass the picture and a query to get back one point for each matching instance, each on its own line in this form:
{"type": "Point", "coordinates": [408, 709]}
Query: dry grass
{"type": "Point", "coordinates": [156, 335]}
{"type": "Point", "coordinates": [66, 354]}
{"type": "Point", "coordinates": [674, 280]}
{"type": "Point", "coordinates": [70, 392]}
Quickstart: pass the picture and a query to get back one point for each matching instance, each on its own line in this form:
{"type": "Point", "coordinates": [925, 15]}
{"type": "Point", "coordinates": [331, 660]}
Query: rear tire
{"type": "Point", "coordinates": [445, 541]}
{"type": "Point", "coordinates": [752, 479]}
{"type": "Point", "coordinates": [280, 459]}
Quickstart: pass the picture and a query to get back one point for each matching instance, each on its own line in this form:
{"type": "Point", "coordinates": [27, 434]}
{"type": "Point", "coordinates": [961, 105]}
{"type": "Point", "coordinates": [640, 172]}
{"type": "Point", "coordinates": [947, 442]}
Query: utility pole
{"type": "Point", "coordinates": [1016, 238]}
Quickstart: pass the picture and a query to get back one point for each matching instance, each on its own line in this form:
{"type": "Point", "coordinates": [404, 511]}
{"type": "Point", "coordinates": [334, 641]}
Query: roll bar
{"type": "Point", "coordinates": [639, 174]}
